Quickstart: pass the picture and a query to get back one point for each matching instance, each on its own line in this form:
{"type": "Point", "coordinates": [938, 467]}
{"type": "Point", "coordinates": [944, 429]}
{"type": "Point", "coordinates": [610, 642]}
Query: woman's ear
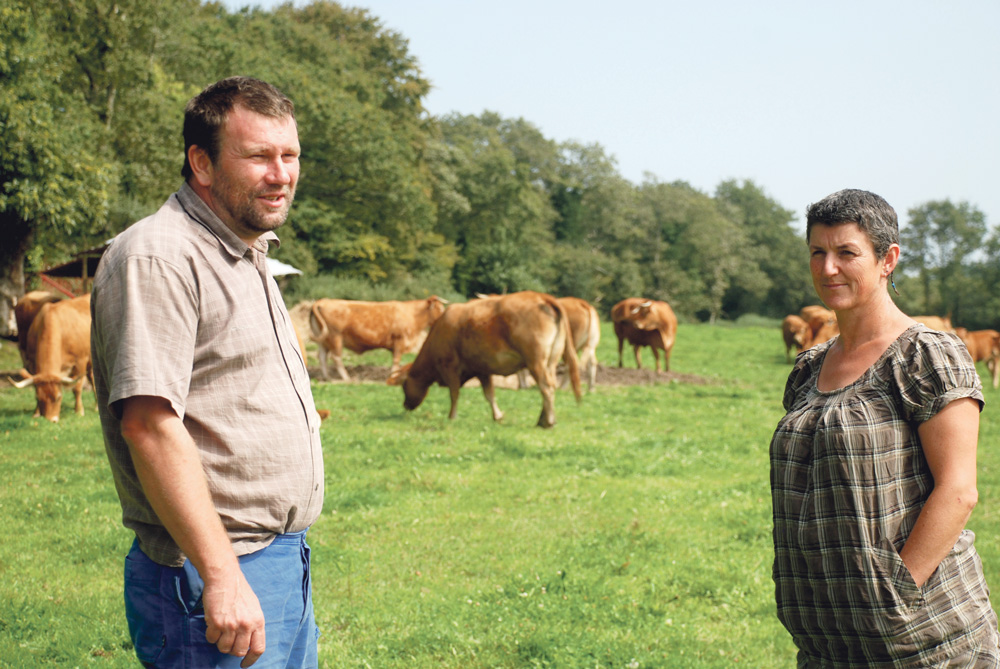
{"type": "Point", "coordinates": [891, 260]}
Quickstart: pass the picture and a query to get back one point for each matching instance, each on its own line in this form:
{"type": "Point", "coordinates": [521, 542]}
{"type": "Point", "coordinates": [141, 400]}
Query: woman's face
{"type": "Point", "coordinates": [845, 271]}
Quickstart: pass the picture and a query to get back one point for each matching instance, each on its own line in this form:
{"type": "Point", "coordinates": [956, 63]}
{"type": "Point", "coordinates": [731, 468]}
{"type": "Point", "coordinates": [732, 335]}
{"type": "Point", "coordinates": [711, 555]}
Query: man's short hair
{"type": "Point", "coordinates": [206, 113]}
{"type": "Point", "coordinates": [870, 212]}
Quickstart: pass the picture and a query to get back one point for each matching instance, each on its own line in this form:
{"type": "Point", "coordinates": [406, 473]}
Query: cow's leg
{"type": "Point", "coordinates": [656, 357]}
{"type": "Point", "coordinates": [454, 388]}
{"type": "Point", "coordinates": [994, 368]}
{"type": "Point", "coordinates": [489, 392]}
{"type": "Point", "coordinates": [666, 360]}
{"type": "Point", "coordinates": [591, 372]}
{"type": "Point", "coordinates": [337, 350]}
{"type": "Point", "coordinates": [78, 395]}
{"type": "Point", "coordinates": [522, 379]}
{"type": "Point", "coordinates": [321, 354]}
{"type": "Point", "coordinates": [638, 360]}
{"type": "Point", "coordinates": [621, 343]}
{"type": "Point", "coordinates": [547, 386]}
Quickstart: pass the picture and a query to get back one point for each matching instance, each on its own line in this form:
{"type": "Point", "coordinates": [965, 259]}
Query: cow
{"type": "Point", "coordinates": [644, 322]}
{"type": "Point", "coordinates": [399, 327]}
{"type": "Point", "coordinates": [940, 323]}
{"type": "Point", "coordinates": [983, 345]}
{"type": "Point", "coordinates": [808, 312]}
{"type": "Point", "coordinates": [497, 335]}
{"type": "Point", "coordinates": [24, 313]}
{"type": "Point", "coordinates": [585, 326]}
{"type": "Point", "coordinates": [823, 326]}
{"type": "Point", "coordinates": [796, 332]}
{"type": "Point", "coordinates": [59, 344]}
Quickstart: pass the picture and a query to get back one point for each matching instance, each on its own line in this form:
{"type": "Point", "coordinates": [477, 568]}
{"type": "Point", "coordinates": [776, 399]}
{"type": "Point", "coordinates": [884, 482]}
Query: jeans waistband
{"type": "Point", "coordinates": [290, 538]}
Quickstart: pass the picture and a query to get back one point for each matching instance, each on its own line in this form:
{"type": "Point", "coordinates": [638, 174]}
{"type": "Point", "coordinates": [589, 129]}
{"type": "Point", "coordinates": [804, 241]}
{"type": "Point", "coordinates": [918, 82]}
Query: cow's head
{"type": "Point", "coordinates": [436, 307]}
{"type": "Point", "coordinates": [48, 392]}
{"type": "Point", "coordinates": [414, 392]}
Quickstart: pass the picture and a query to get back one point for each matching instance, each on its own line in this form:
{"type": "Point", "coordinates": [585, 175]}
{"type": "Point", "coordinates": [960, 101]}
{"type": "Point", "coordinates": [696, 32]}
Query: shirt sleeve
{"type": "Point", "coordinates": [936, 369]}
{"type": "Point", "coordinates": [148, 317]}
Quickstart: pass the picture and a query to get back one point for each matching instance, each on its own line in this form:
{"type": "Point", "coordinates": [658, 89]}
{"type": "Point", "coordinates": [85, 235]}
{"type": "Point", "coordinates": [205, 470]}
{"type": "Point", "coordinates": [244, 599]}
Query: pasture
{"type": "Point", "coordinates": [634, 534]}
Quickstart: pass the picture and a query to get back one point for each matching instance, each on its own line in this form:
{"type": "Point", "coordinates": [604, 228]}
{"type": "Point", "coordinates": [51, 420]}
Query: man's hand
{"type": "Point", "coordinates": [234, 618]}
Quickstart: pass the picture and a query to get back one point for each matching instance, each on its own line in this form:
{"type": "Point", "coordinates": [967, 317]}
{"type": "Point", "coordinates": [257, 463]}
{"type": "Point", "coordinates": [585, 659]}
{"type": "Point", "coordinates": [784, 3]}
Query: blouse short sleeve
{"type": "Point", "coordinates": [933, 369]}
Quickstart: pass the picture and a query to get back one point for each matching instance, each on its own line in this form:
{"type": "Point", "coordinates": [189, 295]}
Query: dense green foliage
{"type": "Point", "coordinates": [91, 98]}
{"type": "Point", "coordinates": [636, 533]}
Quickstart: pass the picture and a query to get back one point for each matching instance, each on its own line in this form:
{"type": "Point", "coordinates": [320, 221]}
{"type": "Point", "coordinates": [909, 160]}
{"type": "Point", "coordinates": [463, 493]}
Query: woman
{"type": "Point", "coordinates": [873, 469]}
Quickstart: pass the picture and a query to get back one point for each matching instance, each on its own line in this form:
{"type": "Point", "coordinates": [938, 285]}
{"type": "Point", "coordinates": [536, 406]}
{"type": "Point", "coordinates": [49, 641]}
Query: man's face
{"type": "Point", "coordinates": [255, 173]}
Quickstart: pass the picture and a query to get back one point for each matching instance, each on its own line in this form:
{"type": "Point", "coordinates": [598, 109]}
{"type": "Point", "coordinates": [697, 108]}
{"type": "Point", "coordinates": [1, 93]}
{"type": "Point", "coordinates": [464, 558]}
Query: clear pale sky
{"type": "Point", "coordinates": [898, 97]}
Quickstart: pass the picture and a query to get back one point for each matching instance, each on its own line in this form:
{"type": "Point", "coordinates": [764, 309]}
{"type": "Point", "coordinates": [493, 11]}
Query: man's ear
{"type": "Point", "coordinates": [201, 165]}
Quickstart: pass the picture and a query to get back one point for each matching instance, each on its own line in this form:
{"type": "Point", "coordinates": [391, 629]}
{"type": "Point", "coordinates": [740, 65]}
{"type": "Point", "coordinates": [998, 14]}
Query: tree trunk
{"type": "Point", "coordinates": [16, 235]}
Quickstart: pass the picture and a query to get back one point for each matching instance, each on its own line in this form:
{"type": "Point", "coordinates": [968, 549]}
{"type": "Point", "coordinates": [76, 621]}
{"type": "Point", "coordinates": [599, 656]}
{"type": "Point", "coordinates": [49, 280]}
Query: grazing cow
{"type": "Point", "coordinates": [24, 313]}
{"type": "Point", "coordinates": [940, 323]}
{"type": "Point", "coordinates": [644, 322]}
{"type": "Point", "coordinates": [497, 335]}
{"type": "Point", "coordinates": [984, 345]}
{"type": "Point", "coordinates": [59, 344]}
{"type": "Point", "coordinates": [399, 327]}
{"type": "Point", "coordinates": [796, 332]}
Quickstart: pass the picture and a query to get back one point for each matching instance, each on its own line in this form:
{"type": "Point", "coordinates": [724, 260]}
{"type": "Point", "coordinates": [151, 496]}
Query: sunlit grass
{"type": "Point", "coordinates": [636, 533]}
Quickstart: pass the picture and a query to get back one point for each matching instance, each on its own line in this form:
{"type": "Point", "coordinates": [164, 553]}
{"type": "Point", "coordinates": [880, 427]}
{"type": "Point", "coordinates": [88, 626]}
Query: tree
{"type": "Point", "coordinates": [51, 179]}
{"type": "Point", "coordinates": [941, 244]}
{"type": "Point", "coordinates": [778, 251]}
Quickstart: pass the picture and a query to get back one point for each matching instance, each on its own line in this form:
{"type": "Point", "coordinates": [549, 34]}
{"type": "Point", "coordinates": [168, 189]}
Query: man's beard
{"type": "Point", "coordinates": [245, 211]}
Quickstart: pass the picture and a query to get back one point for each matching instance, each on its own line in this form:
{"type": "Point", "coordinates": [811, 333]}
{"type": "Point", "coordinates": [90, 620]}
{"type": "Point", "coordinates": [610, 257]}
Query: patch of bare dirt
{"type": "Point", "coordinates": [606, 376]}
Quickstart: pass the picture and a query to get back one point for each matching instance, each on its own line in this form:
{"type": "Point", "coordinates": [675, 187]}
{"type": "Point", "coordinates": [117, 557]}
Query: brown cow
{"type": "Point", "coordinates": [808, 312]}
{"type": "Point", "coordinates": [823, 327]}
{"type": "Point", "coordinates": [24, 313]}
{"type": "Point", "coordinates": [585, 326]}
{"type": "Point", "coordinates": [497, 335]}
{"type": "Point", "coordinates": [644, 322]}
{"type": "Point", "coordinates": [399, 327]}
{"type": "Point", "coordinates": [59, 344]}
{"type": "Point", "coordinates": [984, 345]}
{"type": "Point", "coordinates": [796, 332]}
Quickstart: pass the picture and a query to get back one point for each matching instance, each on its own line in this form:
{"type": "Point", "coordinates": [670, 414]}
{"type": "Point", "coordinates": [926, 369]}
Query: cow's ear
{"type": "Point", "coordinates": [201, 165]}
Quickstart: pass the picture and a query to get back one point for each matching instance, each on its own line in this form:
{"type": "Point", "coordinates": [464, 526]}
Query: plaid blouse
{"type": "Point", "coordinates": [848, 480]}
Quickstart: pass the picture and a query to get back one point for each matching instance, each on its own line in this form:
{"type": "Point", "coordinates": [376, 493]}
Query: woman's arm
{"type": "Point", "coordinates": [949, 441]}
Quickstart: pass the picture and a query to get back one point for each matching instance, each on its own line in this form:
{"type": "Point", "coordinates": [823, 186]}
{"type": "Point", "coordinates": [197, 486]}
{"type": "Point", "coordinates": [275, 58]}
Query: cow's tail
{"type": "Point", "coordinates": [318, 331]}
{"type": "Point", "coordinates": [569, 352]}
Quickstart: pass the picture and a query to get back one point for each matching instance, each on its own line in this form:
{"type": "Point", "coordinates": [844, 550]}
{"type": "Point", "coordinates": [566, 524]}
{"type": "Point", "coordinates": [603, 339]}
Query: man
{"type": "Point", "coordinates": [208, 418]}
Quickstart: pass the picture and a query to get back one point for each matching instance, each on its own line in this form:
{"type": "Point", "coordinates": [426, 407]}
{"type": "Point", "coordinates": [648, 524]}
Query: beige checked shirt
{"type": "Point", "coordinates": [185, 310]}
{"type": "Point", "coordinates": [848, 480]}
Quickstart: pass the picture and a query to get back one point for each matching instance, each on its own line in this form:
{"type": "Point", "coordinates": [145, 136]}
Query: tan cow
{"type": "Point", "coordinates": [940, 323]}
{"type": "Point", "coordinates": [25, 310]}
{"type": "Point", "coordinates": [795, 332]}
{"type": "Point", "coordinates": [498, 335]}
{"type": "Point", "coordinates": [585, 326]}
{"type": "Point", "coordinates": [823, 327]}
{"type": "Point", "coordinates": [399, 327]}
{"type": "Point", "coordinates": [808, 312]}
{"type": "Point", "coordinates": [59, 344]}
{"type": "Point", "coordinates": [644, 322]}
{"type": "Point", "coordinates": [984, 345]}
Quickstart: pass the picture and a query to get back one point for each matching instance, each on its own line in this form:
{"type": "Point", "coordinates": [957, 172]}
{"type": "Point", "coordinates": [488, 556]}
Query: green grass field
{"type": "Point", "coordinates": [636, 533]}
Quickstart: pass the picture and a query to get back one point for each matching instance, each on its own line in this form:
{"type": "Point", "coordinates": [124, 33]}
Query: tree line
{"type": "Point", "coordinates": [91, 103]}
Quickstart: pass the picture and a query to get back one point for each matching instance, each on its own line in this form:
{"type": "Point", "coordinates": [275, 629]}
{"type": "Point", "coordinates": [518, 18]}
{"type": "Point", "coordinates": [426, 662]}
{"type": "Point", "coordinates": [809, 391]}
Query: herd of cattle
{"type": "Point", "coordinates": [815, 325]}
{"type": "Point", "coordinates": [488, 337]}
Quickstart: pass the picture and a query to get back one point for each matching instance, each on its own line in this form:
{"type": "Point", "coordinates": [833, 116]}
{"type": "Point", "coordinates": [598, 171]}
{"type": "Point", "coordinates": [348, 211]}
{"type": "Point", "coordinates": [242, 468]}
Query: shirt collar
{"type": "Point", "coordinates": [197, 209]}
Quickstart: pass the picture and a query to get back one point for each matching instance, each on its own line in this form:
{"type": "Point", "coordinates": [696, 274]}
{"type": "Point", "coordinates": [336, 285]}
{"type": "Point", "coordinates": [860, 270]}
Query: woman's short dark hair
{"type": "Point", "coordinates": [206, 112]}
{"type": "Point", "coordinates": [871, 213]}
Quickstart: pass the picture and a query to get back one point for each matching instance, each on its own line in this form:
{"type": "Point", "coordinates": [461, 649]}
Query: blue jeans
{"type": "Point", "coordinates": [167, 621]}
